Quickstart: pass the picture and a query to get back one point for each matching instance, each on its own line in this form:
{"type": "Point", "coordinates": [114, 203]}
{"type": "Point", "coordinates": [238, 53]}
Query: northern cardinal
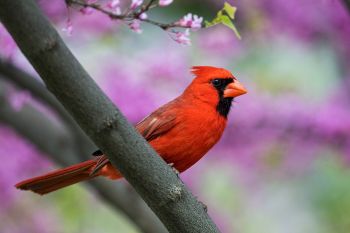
{"type": "Point", "coordinates": [181, 131]}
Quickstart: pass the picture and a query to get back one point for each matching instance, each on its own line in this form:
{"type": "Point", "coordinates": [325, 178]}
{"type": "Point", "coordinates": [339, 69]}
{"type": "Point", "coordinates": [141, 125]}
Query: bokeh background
{"type": "Point", "coordinates": [283, 164]}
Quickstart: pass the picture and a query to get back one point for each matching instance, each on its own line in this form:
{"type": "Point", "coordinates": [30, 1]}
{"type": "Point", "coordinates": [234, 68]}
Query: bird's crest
{"type": "Point", "coordinates": [210, 71]}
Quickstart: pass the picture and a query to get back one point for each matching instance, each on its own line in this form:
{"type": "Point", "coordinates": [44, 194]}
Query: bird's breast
{"type": "Point", "coordinates": [194, 134]}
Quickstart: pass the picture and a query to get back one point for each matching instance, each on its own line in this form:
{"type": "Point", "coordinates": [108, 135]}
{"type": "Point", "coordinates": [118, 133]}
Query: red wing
{"type": "Point", "coordinates": [155, 125]}
{"type": "Point", "coordinates": [150, 128]}
{"type": "Point", "coordinates": [100, 163]}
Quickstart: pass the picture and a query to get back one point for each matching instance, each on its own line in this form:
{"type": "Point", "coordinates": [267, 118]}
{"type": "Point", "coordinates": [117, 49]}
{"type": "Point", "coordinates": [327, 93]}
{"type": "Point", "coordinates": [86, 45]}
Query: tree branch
{"type": "Point", "coordinates": [129, 16]}
{"type": "Point", "coordinates": [39, 91]}
{"type": "Point", "coordinates": [28, 120]}
{"type": "Point", "coordinates": [56, 142]}
{"type": "Point", "coordinates": [51, 139]}
{"type": "Point", "coordinates": [347, 4]}
{"type": "Point", "coordinates": [152, 178]}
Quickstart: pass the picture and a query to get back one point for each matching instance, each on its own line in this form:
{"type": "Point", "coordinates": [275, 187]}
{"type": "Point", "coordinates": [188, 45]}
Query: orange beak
{"type": "Point", "coordinates": [234, 89]}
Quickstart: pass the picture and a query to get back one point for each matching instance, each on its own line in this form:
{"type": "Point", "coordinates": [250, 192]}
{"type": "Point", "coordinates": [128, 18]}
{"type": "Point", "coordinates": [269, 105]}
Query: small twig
{"type": "Point", "coordinates": [146, 7]}
{"type": "Point", "coordinates": [96, 7]}
{"type": "Point", "coordinates": [163, 26]}
{"type": "Point", "coordinates": [128, 16]}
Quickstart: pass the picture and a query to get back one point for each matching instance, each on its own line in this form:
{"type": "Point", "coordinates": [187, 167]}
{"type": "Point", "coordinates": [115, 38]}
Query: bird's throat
{"type": "Point", "coordinates": [224, 106]}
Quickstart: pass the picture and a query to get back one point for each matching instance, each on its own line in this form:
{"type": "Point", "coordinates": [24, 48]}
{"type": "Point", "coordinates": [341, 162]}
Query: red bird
{"type": "Point", "coordinates": [181, 131]}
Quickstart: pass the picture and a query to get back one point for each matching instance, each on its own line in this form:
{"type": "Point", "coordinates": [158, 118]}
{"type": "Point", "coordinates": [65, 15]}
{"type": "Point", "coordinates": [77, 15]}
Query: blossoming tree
{"type": "Point", "coordinates": [47, 56]}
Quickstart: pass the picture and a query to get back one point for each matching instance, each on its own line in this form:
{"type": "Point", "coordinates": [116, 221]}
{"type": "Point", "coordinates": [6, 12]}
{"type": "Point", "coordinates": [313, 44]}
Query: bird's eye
{"type": "Point", "coordinates": [216, 82]}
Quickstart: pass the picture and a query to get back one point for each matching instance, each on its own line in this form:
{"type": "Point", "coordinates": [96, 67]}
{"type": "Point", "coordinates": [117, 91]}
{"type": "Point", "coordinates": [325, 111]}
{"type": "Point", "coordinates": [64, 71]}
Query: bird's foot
{"type": "Point", "coordinates": [205, 207]}
{"type": "Point", "coordinates": [174, 169]}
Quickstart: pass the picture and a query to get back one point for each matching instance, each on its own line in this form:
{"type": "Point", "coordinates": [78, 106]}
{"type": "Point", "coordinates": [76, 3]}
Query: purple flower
{"type": "Point", "coordinates": [131, 90]}
{"type": "Point", "coordinates": [95, 24]}
{"type": "Point", "coordinates": [224, 45]}
{"type": "Point", "coordinates": [25, 161]}
{"type": "Point", "coordinates": [165, 2]}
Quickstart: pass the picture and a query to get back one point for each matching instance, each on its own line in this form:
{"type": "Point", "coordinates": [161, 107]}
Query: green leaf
{"type": "Point", "coordinates": [219, 14]}
{"type": "Point", "coordinates": [228, 22]}
{"type": "Point", "coordinates": [215, 21]}
{"type": "Point", "coordinates": [225, 17]}
{"type": "Point", "coordinates": [230, 10]}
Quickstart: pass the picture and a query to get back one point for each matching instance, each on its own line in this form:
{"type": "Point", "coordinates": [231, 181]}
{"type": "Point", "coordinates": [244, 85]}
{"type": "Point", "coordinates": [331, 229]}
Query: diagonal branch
{"type": "Point", "coordinates": [56, 142]}
{"type": "Point", "coordinates": [39, 91]}
{"type": "Point", "coordinates": [26, 81]}
{"type": "Point", "coordinates": [52, 139]}
{"type": "Point", "coordinates": [152, 178]}
{"type": "Point", "coordinates": [347, 4]}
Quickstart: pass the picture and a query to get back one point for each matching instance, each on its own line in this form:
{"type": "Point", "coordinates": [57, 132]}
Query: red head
{"type": "Point", "coordinates": [216, 86]}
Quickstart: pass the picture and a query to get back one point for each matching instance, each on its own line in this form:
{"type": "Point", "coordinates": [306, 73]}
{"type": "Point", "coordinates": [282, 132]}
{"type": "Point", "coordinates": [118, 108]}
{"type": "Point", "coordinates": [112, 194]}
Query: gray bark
{"type": "Point", "coordinates": [58, 144]}
{"type": "Point", "coordinates": [347, 4]}
{"type": "Point", "coordinates": [157, 184]}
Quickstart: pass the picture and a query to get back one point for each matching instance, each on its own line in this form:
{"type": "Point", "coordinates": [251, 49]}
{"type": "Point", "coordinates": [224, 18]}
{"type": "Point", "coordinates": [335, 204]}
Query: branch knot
{"type": "Point", "coordinates": [109, 123]}
{"type": "Point", "coordinates": [174, 193]}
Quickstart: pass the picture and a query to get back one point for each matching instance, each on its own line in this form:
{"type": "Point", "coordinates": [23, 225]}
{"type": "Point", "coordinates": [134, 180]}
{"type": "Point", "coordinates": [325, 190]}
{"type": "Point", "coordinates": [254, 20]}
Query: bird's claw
{"type": "Point", "coordinates": [205, 207]}
{"type": "Point", "coordinates": [174, 169]}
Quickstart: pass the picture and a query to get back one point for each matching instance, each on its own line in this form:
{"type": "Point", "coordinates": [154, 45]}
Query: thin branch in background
{"type": "Point", "coordinates": [347, 4]}
{"type": "Point", "coordinates": [25, 81]}
{"type": "Point", "coordinates": [136, 13]}
{"type": "Point", "coordinates": [56, 141]}
{"type": "Point", "coordinates": [128, 151]}
{"type": "Point", "coordinates": [129, 15]}
{"type": "Point", "coordinates": [133, 15]}
{"type": "Point", "coordinates": [27, 121]}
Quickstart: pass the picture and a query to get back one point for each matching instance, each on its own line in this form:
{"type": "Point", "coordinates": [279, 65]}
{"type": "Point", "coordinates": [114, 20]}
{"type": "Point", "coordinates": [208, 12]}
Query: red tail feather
{"type": "Point", "coordinates": [59, 179]}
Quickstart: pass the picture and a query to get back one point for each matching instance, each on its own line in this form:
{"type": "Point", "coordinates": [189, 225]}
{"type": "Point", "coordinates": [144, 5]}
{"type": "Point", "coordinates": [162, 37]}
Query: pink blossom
{"type": "Point", "coordinates": [114, 5]}
{"type": "Point", "coordinates": [86, 10]}
{"type": "Point", "coordinates": [135, 26]}
{"type": "Point", "coordinates": [118, 11]}
{"type": "Point", "coordinates": [183, 37]}
{"type": "Point", "coordinates": [186, 21]}
{"type": "Point", "coordinates": [135, 4]}
{"type": "Point", "coordinates": [68, 29]}
{"type": "Point", "coordinates": [191, 21]}
{"type": "Point", "coordinates": [197, 22]}
{"type": "Point", "coordinates": [143, 16]}
{"type": "Point", "coordinates": [165, 2]}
